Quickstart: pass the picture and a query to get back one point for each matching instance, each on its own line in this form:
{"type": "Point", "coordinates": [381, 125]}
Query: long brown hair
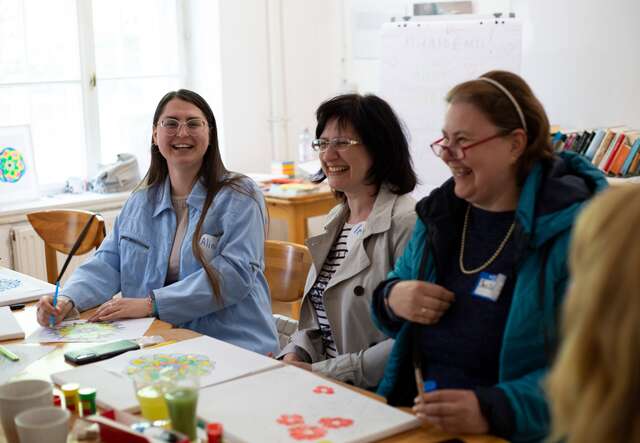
{"type": "Point", "coordinates": [594, 386]}
{"type": "Point", "coordinates": [499, 109]}
{"type": "Point", "coordinates": [213, 174]}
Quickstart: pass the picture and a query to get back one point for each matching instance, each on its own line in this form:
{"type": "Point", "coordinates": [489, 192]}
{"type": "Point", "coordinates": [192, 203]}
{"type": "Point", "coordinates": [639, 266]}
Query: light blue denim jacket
{"type": "Point", "coordinates": [134, 259]}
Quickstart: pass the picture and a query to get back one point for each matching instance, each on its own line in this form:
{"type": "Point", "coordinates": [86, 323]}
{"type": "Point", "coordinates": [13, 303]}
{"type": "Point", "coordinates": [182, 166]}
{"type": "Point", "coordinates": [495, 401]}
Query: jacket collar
{"type": "Point", "coordinates": [379, 219]}
{"type": "Point", "coordinates": [549, 199]}
{"type": "Point", "coordinates": [162, 196]}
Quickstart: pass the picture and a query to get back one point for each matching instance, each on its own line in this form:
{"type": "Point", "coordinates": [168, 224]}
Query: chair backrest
{"type": "Point", "coordinates": [60, 229]}
{"type": "Point", "coordinates": [286, 268]}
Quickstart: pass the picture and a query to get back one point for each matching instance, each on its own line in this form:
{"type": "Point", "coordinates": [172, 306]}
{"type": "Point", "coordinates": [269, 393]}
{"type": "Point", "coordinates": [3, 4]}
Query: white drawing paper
{"type": "Point", "coordinates": [84, 331]}
{"type": "Point", "coordinates": [216, 361]}
{"type": "Point", "coordinates": [9, 326]}
{"type": "Point", "coordinates": [115, 389]}
{"type": "Point", "coordinates": [289, 404]}
{"type": "Point", "coordinates": [16, 287]}
{"type": "Point", "coordinates": [27, 353]}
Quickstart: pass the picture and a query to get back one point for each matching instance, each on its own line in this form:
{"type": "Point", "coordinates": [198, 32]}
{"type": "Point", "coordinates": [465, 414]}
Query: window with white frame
{"type": "Point", "coordinates": [86, 75]}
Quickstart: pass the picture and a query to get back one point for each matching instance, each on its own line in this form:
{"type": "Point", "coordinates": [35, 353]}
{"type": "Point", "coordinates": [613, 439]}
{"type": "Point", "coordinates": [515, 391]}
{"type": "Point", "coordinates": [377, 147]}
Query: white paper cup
{"type": "Point", "coordinates": [19, 396]}
{"type": "Point", "coordinates": [48, 424]}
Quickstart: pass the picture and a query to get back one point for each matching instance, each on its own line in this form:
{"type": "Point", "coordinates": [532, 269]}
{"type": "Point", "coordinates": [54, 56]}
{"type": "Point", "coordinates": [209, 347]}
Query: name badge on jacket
{"type": "Point", "coordinates": [490, 285]}
{"type": "Point", "coordinates": [208, 244]}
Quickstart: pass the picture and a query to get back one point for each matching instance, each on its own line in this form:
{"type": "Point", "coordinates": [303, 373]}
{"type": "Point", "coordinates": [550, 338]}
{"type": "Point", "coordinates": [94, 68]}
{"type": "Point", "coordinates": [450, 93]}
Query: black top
{"type": "Point", "coordinates": [462, 350]}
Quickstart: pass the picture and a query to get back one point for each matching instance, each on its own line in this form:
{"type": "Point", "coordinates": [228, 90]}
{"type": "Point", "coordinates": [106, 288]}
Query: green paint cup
{"type": "Point", "coordinates": [182, 399]}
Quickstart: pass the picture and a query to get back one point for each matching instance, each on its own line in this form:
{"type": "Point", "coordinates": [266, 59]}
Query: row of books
{"type": "Point", "coordinates": [616, 150]}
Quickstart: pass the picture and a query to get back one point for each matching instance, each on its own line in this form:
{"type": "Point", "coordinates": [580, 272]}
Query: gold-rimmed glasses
{"type": "Point", "coordinates": [339, 144]}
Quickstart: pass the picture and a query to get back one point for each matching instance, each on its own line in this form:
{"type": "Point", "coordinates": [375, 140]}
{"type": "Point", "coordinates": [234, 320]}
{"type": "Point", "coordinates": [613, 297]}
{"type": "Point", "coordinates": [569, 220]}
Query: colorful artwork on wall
{"type": "Point", "coordinates": [18, 179]}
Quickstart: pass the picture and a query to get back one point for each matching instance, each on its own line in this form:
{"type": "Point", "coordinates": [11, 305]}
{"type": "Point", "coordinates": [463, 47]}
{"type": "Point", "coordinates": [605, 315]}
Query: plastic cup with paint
{"type": "Point", "coordinates": [19, 396]}
{"type": "Point", "coordinates": [182, 399]}
{"type": "Point", "coordinates": [48, 424]}
{"type": "Point", "coordinates": [150, 393]}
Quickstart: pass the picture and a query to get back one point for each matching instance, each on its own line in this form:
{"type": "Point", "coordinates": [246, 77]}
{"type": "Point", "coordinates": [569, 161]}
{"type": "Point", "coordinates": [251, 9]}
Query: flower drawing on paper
{"type": "Point", "coordinates": [307, 432]}
{"type": "Point", "coordinates": [290, 419]}
{"type": "Point", "coordinates": [12, 165]}
{"type": "Point", "coordinates": [322, 389]}
{"type": "Point", "coordinates": [335, 422]}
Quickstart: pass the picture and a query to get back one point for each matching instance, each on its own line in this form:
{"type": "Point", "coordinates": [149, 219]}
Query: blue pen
{"type": "Point", "coordinates": [430, 386]}
{"type": "Point", "coordinates": [52, 318]}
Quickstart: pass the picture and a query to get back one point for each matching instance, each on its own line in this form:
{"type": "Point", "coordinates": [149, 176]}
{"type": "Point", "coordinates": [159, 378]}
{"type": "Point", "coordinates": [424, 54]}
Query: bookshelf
{"type": "Point", "coordinates": [614, 150]}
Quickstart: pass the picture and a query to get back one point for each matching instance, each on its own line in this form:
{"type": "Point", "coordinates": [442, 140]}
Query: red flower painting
{"type": "Point", "coordinates": [322, 389]}
{"type": "Point", "coordinates": [335, 422]}
{"type": "Point", "coordinates": [307, 432]}
{"type": "Point", "coordinates": [290, 419]}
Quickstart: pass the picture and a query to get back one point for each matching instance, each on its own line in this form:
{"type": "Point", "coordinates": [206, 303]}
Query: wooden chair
{"type": "Point", "coordinates": [60, 229]}
{"type": "Point", "coordinates": [286, 268]}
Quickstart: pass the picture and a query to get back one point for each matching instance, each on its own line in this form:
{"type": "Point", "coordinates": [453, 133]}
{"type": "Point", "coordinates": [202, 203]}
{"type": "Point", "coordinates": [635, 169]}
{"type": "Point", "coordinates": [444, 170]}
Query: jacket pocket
{"type": "Point", "coordinates": [134, 256]}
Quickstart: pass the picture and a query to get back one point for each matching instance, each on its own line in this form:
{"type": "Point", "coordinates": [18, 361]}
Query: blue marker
{"type": "Point", "coordinates": [430, 385]}
{"type": "Point", "coordinates": [52, 318]}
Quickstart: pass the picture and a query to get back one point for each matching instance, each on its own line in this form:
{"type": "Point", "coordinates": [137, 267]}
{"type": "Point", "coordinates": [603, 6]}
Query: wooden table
{"type": "Point", "coordinates": [54, 362]}
{"type": "Point", "coordinates": [296, 210]}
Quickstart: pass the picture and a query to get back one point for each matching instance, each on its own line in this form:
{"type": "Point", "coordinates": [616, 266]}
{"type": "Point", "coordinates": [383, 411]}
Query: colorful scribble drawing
{"type": "Point", "coordinates": [12, 165]}
{"type": "Point", "coordinates": [170, 365]}
{"type": "Point", "coordinates": [7, 284]}
{"type": "Point", "coordinates": [84, 331]}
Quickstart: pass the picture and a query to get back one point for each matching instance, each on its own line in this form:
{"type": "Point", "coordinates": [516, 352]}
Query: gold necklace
{"type": "Point", "coordinates": [492, 258]}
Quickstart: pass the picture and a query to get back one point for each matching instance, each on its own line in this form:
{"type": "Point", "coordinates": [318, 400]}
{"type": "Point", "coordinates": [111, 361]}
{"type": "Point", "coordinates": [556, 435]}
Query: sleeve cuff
{"type": "Point", "coordinates": [299, 351]}
{"type": "Point", "coordinates": [496, 408]}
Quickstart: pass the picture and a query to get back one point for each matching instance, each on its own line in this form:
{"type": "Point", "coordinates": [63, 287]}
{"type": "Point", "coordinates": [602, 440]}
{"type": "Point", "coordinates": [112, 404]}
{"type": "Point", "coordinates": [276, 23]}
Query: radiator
{"type": "Point", "coordinates": [28, 250]}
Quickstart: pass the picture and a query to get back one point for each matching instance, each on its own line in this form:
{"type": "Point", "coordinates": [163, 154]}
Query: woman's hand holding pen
{"type": "Point", "coordinates": [455, 411]}
{"type": "Point", "coordinates": [46, 309]}
{"type": "Point", "coordinates": [120, 308]}
{"type": "Point", "coordinates": [419, 301]}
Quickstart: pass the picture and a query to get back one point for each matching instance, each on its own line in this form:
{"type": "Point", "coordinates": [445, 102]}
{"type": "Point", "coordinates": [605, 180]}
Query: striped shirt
{"type": "Point", "coordinates": [336, 256]}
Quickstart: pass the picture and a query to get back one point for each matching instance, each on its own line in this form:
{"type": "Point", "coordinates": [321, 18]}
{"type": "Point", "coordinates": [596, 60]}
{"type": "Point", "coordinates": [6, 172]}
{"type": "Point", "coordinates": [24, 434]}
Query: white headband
{"type": "Point", "coordinates": [508, 94]}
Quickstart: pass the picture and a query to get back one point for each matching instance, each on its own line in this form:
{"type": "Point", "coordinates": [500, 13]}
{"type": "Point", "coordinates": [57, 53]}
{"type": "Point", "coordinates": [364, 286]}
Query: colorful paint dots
{"type": "Point", "coordinates": [307, 432]}
{"type": "Point", "coordinates": [290, 419]}
{"type": "Point", "coordinates": [171, 365]}
{"type": "Point", "coordinates": [89, 331]}
{"type": "Point", "coordinates": [12, 166]}
{"type": "Point", "coordinates": [322, 389]}
{"type": "Point", "coordinates": [335, 422]}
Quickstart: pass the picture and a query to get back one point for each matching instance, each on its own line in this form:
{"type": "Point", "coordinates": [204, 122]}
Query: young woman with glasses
{"type": "Point", "coordinates": [365, 159]}
{"type": "Point", "coordinates": [177, 251]}
{"type": "Point", "coordinates": [472, 301]}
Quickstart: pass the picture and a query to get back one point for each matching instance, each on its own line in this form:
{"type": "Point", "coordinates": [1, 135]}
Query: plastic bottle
{"type": "Point", "coordinates": [304, 146]}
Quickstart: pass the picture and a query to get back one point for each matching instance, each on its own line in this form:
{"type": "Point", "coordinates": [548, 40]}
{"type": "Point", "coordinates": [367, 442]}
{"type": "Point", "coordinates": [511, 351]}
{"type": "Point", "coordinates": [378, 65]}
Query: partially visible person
{"type": "Point", "coordinates": [365, 158]}
{"type": "Point", "coordinates": [472, 301]}
{"type": "Point", "coordinates": [177, 251]}
{"type": "Point", "coordinates": [594, 385]}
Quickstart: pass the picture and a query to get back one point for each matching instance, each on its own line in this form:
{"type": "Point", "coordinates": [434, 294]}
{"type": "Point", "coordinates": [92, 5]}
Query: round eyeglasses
{"type": "Point", "coordinates": [456, 150]}
{"type": "Point", "coordinates": [339, 144]}
{"type": "Point", "coordinates": [172, 126]}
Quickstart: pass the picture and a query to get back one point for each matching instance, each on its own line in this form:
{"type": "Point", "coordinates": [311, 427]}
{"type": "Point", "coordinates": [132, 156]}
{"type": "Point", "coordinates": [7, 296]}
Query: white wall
{"type": "Point", "coordinates": [581, 57]}
{"type": "Point", "coordinates": [237, 57]}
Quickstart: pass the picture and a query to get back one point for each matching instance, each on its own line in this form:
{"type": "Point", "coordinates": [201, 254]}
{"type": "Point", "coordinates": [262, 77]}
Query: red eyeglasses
{"type": "Point", "coordinates": [457, 151]}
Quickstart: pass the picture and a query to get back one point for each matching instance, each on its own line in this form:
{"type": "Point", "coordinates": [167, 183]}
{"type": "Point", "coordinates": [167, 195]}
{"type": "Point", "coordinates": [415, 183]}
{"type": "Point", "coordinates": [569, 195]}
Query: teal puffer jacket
{"type": "Point", "coordinates": [551, 198]}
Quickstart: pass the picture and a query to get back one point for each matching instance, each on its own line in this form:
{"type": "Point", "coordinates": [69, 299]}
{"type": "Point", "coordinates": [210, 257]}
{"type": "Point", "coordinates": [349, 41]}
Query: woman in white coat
{"type": "Point", "coordinates": [365, 157]}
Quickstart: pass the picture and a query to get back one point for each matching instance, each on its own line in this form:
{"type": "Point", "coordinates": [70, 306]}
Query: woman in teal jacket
{"type": "Point", "coordinates": [472, 302]}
